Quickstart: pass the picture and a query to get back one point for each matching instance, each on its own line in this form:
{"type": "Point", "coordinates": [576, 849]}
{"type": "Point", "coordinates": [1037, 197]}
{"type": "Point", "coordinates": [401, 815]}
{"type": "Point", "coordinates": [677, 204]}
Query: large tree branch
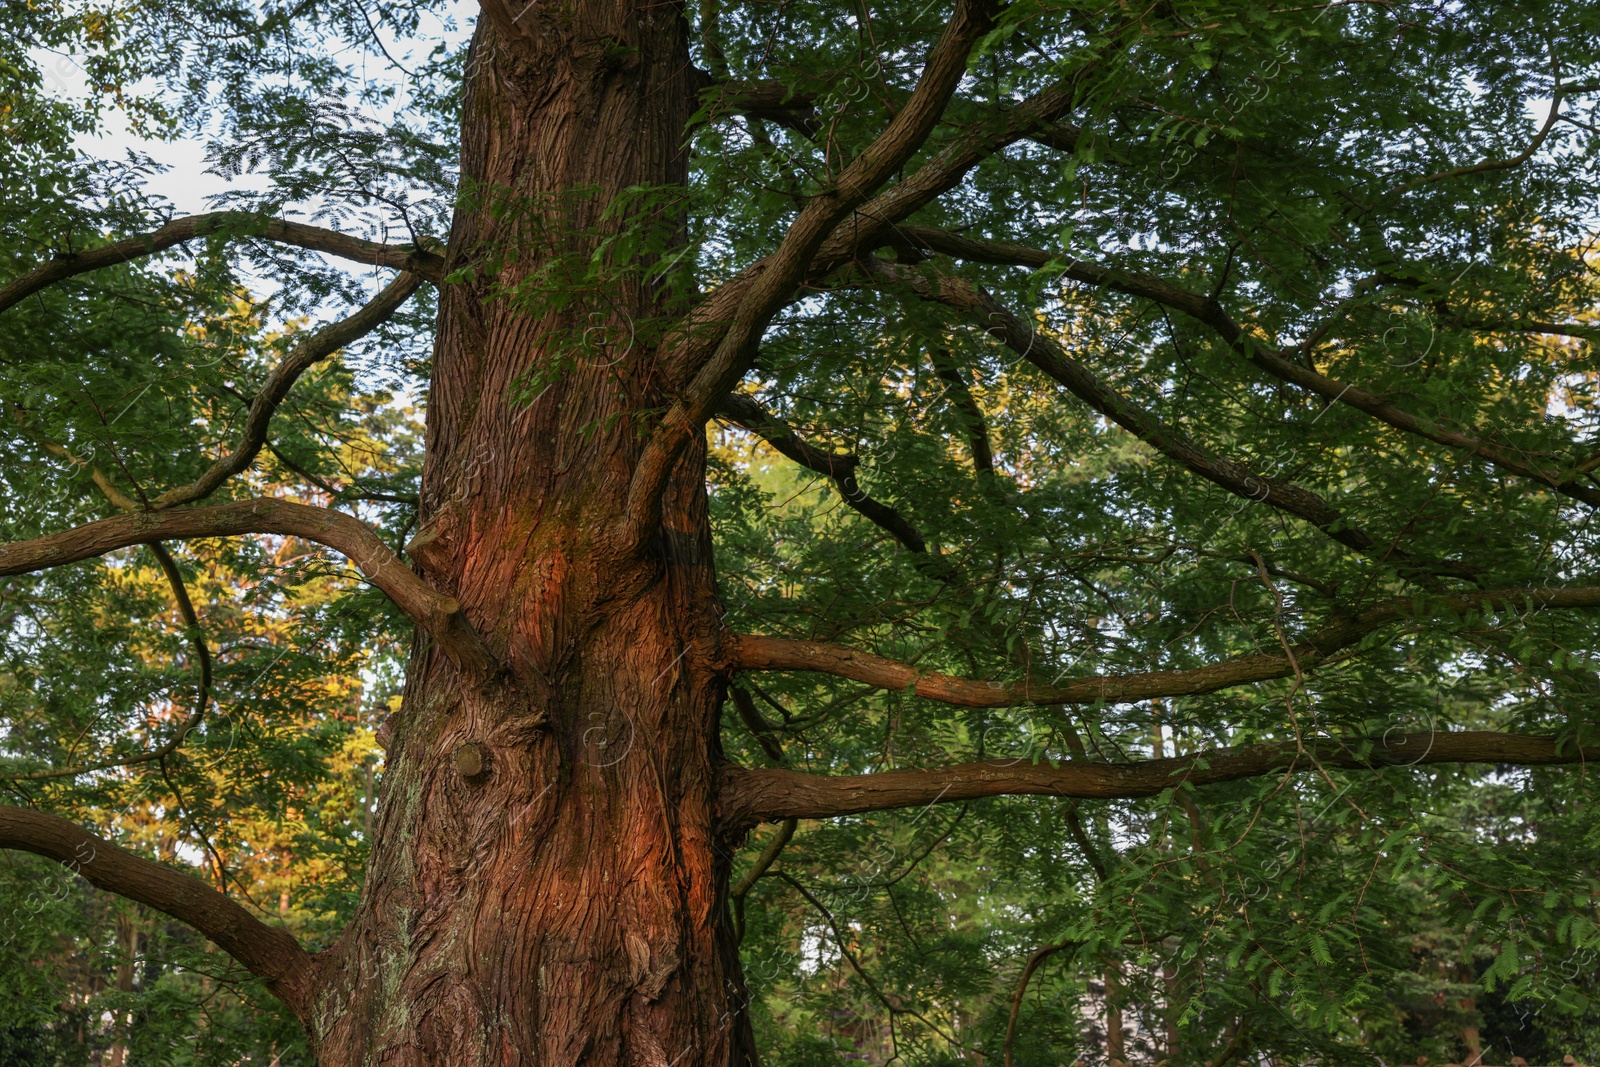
{"type": "Point", "coordinates": [1020, 337]}
{"type": "Point", "coordinates": [873, 224]}
{"type": "Point", "coordinates": [314, 349]}
{"type": "Point", "coordinates": [772, 101]}
{"type": "Point", "coordinates": [426, 263]}
{"type": "Point", "coordinates": [1062, 136]}
{"type": "Point", "coordinates": [747, 413]}
{"type": "Point", "coordinates": [266, 951]}
{"type": "Point", "coordinates": [1265, 356]}
{"type": "Point", "coordinates": [756, 652]}
{"type": "Point", "coordinates": [876, 223]}
{"type": "Point", "coordinates": [439, 615]}
{"type": "Point", "coordinates": [778, 103]}
{"type": "Point", "coordinates": [787, 267]}
{"type": "Point", "coordinates": [747, 797]}
{"type": "Point", "coordinates": [694, 342]}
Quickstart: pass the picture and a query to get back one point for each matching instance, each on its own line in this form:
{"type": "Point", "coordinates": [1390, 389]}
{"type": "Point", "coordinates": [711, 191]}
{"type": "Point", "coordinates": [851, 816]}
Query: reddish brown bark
{"type": "Point", "coordinates": [763, 653]}
{"type": "Point", "coordinates": [750, 796]}
{"type": "Point", "coordinates": [546, 883]}
{"type": "Point", "coordinates": [439, 615]}
{"type": "Point", "coordinates": [545, 886]}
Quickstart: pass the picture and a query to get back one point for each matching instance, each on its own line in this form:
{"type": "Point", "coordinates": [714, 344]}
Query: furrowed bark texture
{"type": "Point", "coordinates": [544, 886]}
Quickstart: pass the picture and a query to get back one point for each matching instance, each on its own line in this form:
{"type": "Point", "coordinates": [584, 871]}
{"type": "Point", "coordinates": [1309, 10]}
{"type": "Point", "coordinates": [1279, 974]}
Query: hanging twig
{"type": "Point", "coordinates": [191, 621]}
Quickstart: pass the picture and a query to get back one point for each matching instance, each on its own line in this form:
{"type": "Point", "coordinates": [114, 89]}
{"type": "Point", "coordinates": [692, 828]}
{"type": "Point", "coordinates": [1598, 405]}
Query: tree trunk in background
{"type": "Point", "coordinates": [1173, 990]}
{"type": "Point", "coordinates": [545, 885]}
{"type": "Point", "coordinates": [1116, 1052]}
{"type": "Point", "coordinates": [1471, 1039]}
{"type": "Point", "coordinates": [127, 926]}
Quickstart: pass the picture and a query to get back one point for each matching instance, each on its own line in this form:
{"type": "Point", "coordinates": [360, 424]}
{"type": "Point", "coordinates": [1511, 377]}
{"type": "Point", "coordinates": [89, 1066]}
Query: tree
{"type": "Point", "coordinates": [1214, 377]}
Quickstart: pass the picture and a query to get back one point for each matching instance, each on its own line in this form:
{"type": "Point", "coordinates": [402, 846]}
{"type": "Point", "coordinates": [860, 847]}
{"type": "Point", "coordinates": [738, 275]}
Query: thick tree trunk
{"type": "Point", "coordinates": [545, 885]}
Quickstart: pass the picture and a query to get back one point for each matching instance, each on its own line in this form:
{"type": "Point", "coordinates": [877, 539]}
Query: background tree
{"type": "Point", "coordinates": [942, 532]}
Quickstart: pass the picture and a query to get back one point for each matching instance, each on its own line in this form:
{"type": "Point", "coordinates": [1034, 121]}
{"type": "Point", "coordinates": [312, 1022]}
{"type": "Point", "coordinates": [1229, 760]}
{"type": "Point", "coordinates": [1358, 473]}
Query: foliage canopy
{"type": "Point", "coordinates": [1278, 314]}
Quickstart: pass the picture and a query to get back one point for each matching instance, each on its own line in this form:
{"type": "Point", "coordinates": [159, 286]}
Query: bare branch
{"type": "Point", "coordinates": [314, 349]}
{"type": "Point", "coordinates": [746, 412]}
{"type": "Point", "coordinates": [266, 951]}
{"type": "Point", "coordinates": [1038, 956]}
{"type": "Point", "coordinates": [1582, 330]}
{"type": "Point", "coordinates": [1557, 99]}
{"type": "Point", "coordinates": [889, 1005]}
{"type": "Point", "coordinates": [1049, 357]}
{"type": "Point", "coordinates": [786, 268]}
{"type": "Point", "coordinates": [191, 621]}
{"type": "Point", "coordinates": [427, 263]}
{"type": "Point", "coordinates": [753, 652]}
{"type": "Point", "coordinates": [1263, 355]}
{"type": "Point", "coordinates": [748, 797]}
{"type": "Point", "coordinates": [439, 615]}
{"type": "Point", "coordinates": [763, 863]}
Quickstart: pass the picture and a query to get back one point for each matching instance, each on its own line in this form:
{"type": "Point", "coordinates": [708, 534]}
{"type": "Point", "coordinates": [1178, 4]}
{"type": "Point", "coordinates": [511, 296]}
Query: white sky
{"type": "Point", "coordinates": [188, 183]}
